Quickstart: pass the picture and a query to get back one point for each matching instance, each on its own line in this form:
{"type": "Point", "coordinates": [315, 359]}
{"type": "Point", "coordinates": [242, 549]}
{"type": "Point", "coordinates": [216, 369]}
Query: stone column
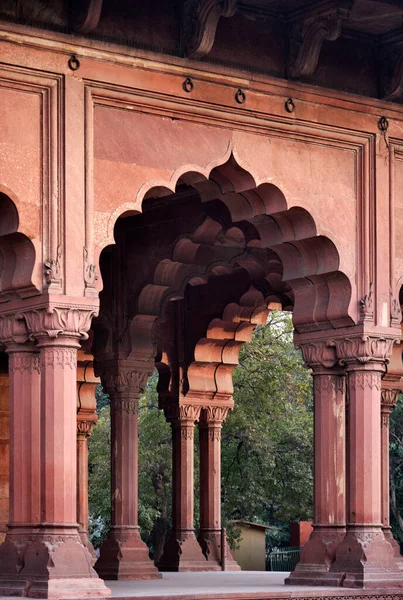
{"type": "Point", "coordinates": [182, 551]}
{"type": "Point", "coordinates": [4, 450]}
{"type": "Point", "coordinates": [329, 525]}
{"type": "Point", "coordinates": [389, 396]}
{"type": "Point", "coordinates": [210, 425]}
{"type": "Point", "coordinates": [86, 418]}
{"type": "Point", "coordinates": [123, 554]}
{"type": "Point", "coordinates": [365, 558]}
{"type": "Point", "coordinates": [43, 555]}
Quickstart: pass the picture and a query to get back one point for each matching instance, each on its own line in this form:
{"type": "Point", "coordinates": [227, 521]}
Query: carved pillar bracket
{"type": "Point", "coordinates": [84, 15]}
{"type": "Point", "coordinates": [45, 554]}
{"type": "Point", "coordinates": [329, 526]}
{"type": "Point", "coordinates": [200, 20]}
{"type": "Point", "coordinates": [123, 554]}
{"type": "Point", "coordinates": [211, 420]}
{"type": "Point", "coordinates": [182, 551]}
{"type": "Point", "coordinates": [391, 71]}
{"type": "Point", "coordinates": [364, 558]}
{"type": "Point", "coordinates": [308, 32]}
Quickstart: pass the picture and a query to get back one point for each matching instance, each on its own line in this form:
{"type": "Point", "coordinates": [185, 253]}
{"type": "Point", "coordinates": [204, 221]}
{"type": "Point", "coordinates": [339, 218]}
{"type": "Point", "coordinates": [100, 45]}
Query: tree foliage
{"type": "Point", "coordinates": [266, 444]}
{"type": "Point", "coordinates": [396, 470]}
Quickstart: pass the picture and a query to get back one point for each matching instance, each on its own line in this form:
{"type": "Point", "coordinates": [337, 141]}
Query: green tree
{"type": "Point", "coordinates": [266, 444]}
{"type": "Point", "coordinates": [396, 470]}
{"type": "Point", "coordinates": [267, 441]}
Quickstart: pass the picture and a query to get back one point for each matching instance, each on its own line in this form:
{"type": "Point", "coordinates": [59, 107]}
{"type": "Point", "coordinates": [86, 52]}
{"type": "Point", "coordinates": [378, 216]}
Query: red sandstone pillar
{"type": "Point", "coordinates": [86, 419]}
{"type": "Point", "coordinates": [329, 524]}
{"type": "Point", "coordinates": [365, 558]}
{"type": "Point", "coordinates": [389, 396]}
{"type": "Point", "coordinates": [4, 451]}
{"type": "Point", "coordinates": [182, 551]}
{"type": "Point", "coordinates": [43, 555]}
{"type": "Point", "coordinates": [124, 555]}
{"type": "Point", "coordinates": [210, 425]}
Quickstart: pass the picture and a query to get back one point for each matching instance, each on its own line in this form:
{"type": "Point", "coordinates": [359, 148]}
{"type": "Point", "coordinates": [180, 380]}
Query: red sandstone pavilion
{"type": "Point", "coordinates": [170, 172]}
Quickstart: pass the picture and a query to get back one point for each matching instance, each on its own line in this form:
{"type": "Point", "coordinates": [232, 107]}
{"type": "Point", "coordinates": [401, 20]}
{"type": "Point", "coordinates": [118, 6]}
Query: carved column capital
{"type": "Point", "coordinates": [200, 20]}
{"type": "Point", "coordinates": [84, 428]}
{"type": "Point", "coordinates": [309, 30]}
{"type": "Point", "coordinates": [182, 413]}
{"type": "Point", "coordinates": [58, 321]}
{"type": "Point", "coordinates": [389, 397]}
{"type": "Point", "coordinates": [124, 381]}
{"type": "Point", "coordinates": [317, 354]}
{"type": "Point", "coordinates": [214, 414]}
{"type": "Point", "coordinates": [360, 350]}
{"type": "Point", "coordinates": [13, 330]}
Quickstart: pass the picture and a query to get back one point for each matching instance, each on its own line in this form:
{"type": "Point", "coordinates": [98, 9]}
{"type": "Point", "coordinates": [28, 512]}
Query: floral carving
{"type": "Point", "coordinates": [367, 305]}
{"type": "Point", "coordinates": [187, 433]}
{"type": "Point", "coordinates": [84, 428]}
{"type": "Point", "coordinates": [389, 397]}
{"type": "Point", "coordinates": [215, 413]}
{"type": "Point", "coordinates": [53, 270]}
{"type": "Point", "coordinates": [23, 361]}
{"type": "Point", "coordinates": [365, 380]}
{"type": "Point", "coordinates": [363, 349]}
{"type": "Point", "coordinates": [318, 353]}
{"type": "Point", "coordinates": [90, 272]}
{"type": "Point", "coordinates": [52, 321]}
{"type": "Point", "coordinates": [13, 329]}
{"type": "Point", "coordinates": [58, 357]}
{"type": "Point", "coordinates": [184, 412]}
{"type": "Point", "coordinates": [125, 405]}
{"type": "Point", "coordinates": [124, 378]}
{"type": "Point", "coordinates": [200, 20]}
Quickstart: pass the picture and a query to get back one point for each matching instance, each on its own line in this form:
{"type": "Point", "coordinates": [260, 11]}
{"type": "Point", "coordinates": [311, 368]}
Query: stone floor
{"type": "Point", "coordinates": [243, 585]}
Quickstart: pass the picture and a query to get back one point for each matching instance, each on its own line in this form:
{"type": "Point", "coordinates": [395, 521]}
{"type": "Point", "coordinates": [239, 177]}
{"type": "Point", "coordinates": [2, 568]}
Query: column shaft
{"type": "Point", "coordinates": [182, 552]}
{"type": "Point", "coordinates": [329, 525]}
{"type": "Point", "coordinates": [210, 426]}
{"type": "Point", "coordinates": [124, 555]}
{"type": "Point", "coordinates": [365, 558]}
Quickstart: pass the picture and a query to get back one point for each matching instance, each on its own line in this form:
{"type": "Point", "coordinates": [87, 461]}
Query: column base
{"type": "Point", "coordinates": [124, 556]}
{"type": "Point", "coordinates": [317, 556]}
{"type": "Point", "coordinates": [365, 559]}
{"type": "Point", "coordinates": [183, 553]}
{"type": "Point", "coordinates": [48, 565]}
{"type": "Point", "coordinates": [387, 531]}
{"type": "Point", "coordinates": [85, 540]}
{"type": "Point", "coordinates": [210, 543]}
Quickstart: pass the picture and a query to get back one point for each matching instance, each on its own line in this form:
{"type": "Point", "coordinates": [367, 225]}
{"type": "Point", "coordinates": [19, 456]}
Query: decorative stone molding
{"type": "Point", "coordinates": [123, 378]}
{"type": "Point", "coordinates": [55, 321]}
{"type": "Point", "coordinates": [129, 406]}
{"type": "Point", "coordinates": [364, 380]}
{"type": "Point", "coordinates": [13, 330]}
{"type": "Point", "coordinates": [90, 271]}
{"type": "Point", "coordinates": [200, 20]}
{"type": "Point", "coordinates": [84, 428]}
{"type": "Point", "coordinates": [58, 357]}
{"type": "Point", "coordinates": [53, 270]}
{"type": "Point", "coordinates": [367, 305]}
{"type": "Point", "coordinates": [23, 361]}
{"type": "Point", "coordinates": [318, 354]}
{"type": "Point", "coordinates": [185, 412]}
{"type": "Point", "coordinates": [215, 414]}
{"type": "Point", "coordinates": [389, 397]}
{"type": "Point", "coordinates": [308, 34]}
{"type": "Point", "coordinates": [329, 383]}
{"type": "Point", "coordinates": [395, 310]}
{"type": "Point", "coordinates": [363, 349]}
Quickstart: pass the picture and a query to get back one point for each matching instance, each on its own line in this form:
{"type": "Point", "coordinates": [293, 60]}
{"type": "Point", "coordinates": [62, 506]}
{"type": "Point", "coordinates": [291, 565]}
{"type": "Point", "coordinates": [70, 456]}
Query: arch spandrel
{"type": "Point", "coordinates": [20, 268]}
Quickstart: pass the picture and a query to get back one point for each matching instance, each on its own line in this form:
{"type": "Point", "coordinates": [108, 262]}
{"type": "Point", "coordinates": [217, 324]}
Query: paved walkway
{"type": "Point", "coordinates": [240, 585]}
